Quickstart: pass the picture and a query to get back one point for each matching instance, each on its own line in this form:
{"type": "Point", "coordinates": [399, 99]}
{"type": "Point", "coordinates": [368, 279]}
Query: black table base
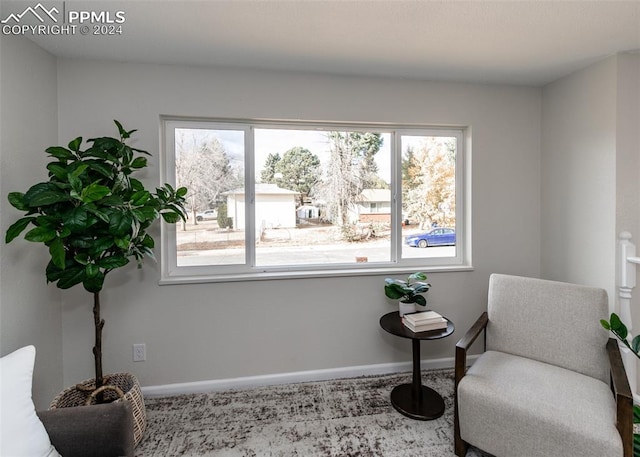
{"type": "Point", "coordinates": [426, 405]}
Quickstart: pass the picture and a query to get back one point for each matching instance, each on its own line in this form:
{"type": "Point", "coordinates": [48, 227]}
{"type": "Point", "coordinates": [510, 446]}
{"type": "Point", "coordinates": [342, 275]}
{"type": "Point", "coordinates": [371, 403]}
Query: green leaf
{"type": "Point", "coordinates": [141, 151]}
{"type": "Point", "coordinates": [139, 162]}
{"type": "Point", "coordinates": [420, 287]}
{"type": "Point", "coordinates": [76, 185]}
{"type": "Point", "coordinates": [146, 213]}
{"type": "Point", "coordinates": [17, 227]}
{"type": "Point", "coordinates": [69, 277]}
{"type": "Point", "coordinates": [635, 344]}
{"type": "Point", "coordinates": [605, 324]}
{"type": "Point", "coordinates": [58, 253]}
{"type": "Point", "coordinates": [101, 244]}
{"type": "Point", "coordinates": [57, 170]}
{"type": "Point", "coordinates": [112, 200]}
{"type": "Point", "coordinates": [140, 197]}
{"type": "Point", "coordinates": [94, 192]}
{"type": "Point", "coordinates": [123, 243]}
{"type": "Point", "coordinates": [181, 192]}
{"type": "Point", "coordinates": [418, 275]}
{"type": "Point", "coordinates": [104, 169]}
{"type": "Point", "coordinates": [136, 184]}
{"type": "Point", "coordinates": [74, 145]}
{"type": "Point", "coordinates": [43, 194]}
{"type": "Point", "coordinates": [394, 291]}
{"type": "Point", "coordinates": [60, 153]}
{"type": "Point", "coordinates": [120, 223]}
{"type": "Point", "coordinates": [53, 272]}
{"type": "Point", "coordinates": [618, 327]}
{"type": "Point", "coordinates": [171, 218]}
{"type": "Point", "coordinates": [99, 214]}
{"type": "Point", "coordinates": [148, 242]}
{"type": "Point", "coordinates": [94, 284]}
{"type": "Point", "coordinates": [16, 199]}
{"type": "Point", "coordinates": [121, 130]}
{"type": "Point", "coordinates": [420, 300]}
{"type": "Point", "coordinates": [82, 258]}
{"type": "Point", "coordinates": [126, 153]}
{"type": "Point", "coordinates": [65, 232]}
{"type": "Point", "coordinates": [113, 262]}
{"type": "Point", "coordinates": [91, 270]}
{"type": "Point", "coordinates": [40, 234]}
{"type": "Point", "coordinates": [79, 170]}
{"type": "Point", "coordinates": [85, 242]}
{"type": "Point", "coordinates": [77, 219]}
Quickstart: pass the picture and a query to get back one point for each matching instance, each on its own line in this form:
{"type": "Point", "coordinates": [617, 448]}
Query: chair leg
{"type": "Point", "coordinates": [460, 446]}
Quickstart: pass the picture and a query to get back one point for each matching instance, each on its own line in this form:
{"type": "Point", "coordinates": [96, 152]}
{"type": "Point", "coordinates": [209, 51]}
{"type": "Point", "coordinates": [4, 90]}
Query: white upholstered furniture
{"type": "Point", "coordinates": [550, 383]}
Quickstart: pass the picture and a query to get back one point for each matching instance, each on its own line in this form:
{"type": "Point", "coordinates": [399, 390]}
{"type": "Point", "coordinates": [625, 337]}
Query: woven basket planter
{"type": "Point", "coordinates": [118, 387]}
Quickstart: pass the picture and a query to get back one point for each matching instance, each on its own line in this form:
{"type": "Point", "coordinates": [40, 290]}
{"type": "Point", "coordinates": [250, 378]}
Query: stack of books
{"type": "Point", "coordinates": [424, 321]}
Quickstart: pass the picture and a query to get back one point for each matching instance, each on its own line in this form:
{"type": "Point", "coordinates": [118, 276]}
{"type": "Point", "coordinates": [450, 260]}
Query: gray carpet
{"type": "Point", "coordinates": [339, 418]}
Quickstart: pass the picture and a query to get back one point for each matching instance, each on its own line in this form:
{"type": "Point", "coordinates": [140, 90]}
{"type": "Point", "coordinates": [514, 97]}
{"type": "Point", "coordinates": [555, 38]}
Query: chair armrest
{"type": "Point", "coordinates": [624, 397]}
{"type": "Point", "coordinates": [104, 430]}
{"type": "Point", "coordinates": [465, 343]}
{"type": "Point", "coordinates": [461, 369]}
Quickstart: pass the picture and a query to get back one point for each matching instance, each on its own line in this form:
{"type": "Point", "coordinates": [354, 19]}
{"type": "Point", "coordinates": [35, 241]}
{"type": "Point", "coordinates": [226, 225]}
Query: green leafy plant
{"type": "Point", "coordinates": [617, 327]}
{"type": "Point", "coordinates": [93, 216]}
{"type": "Point", "coordinates": [408, 291]}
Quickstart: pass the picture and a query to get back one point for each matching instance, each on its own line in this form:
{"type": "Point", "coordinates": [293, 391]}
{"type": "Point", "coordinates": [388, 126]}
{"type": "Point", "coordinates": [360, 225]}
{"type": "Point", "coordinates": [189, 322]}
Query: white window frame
{"type": "Point", "coordinates": [171, 273]}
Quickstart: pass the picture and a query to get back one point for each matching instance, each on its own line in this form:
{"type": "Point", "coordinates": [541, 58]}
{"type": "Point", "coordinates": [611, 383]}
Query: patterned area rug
{"type": "Point", "coordinates": [339, 418]}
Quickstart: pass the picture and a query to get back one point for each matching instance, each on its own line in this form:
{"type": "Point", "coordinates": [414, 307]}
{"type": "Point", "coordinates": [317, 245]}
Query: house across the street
{"type": "Point", "coordinates": [275, 207]}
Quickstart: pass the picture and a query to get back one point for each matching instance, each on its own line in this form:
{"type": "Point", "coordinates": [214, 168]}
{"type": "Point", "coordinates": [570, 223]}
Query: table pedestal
{"type": "Point", "coordinates": [415, 400]}
{"type": "Point", "coordinates": [428, 405]}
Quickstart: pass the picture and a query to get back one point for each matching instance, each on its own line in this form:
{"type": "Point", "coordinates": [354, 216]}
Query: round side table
{"type": "Point", "coordinates": [415, 400]}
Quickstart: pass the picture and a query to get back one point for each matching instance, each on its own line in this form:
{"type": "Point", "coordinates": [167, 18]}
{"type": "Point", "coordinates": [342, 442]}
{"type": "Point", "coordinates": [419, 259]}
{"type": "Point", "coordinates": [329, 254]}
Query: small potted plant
{"type": "Point", "coordinates": [408, 292]}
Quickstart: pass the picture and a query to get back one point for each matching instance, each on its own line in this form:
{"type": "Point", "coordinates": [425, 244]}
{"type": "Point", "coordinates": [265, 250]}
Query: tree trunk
{"type": "Point", "coordinates": [97, 348]}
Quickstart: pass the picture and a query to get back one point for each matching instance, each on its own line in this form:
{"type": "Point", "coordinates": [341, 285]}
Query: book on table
{"type": "Point", "coordinates": [424, 321]}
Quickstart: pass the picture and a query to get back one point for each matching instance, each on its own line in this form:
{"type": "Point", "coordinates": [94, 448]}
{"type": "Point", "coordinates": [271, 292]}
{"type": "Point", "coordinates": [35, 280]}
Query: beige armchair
{"type": "Point", "coordinates": [550, 383]}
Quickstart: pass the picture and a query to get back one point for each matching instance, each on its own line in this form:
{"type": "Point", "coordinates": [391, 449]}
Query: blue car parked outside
{"type": "Point", "coordinates": [436, 237]}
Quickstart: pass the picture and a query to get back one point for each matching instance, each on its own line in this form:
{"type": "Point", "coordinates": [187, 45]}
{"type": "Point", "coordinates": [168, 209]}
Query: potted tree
{"type": "Point", "coordinates": [93, 216]}
{"type": "Point", "coordinates": [408, 292]}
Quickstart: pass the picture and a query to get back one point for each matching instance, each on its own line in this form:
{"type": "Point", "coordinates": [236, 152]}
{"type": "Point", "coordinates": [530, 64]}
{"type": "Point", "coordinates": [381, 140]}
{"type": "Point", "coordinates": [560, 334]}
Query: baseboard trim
{"type": "Point", "coordinates": [249, 382]}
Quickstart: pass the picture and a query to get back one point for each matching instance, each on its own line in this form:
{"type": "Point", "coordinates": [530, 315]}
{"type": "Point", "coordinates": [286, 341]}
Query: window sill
{"type": "Point", "coordinates": [276, 275]}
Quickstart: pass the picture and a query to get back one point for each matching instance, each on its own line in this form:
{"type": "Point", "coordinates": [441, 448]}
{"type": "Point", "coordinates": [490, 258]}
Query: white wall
{"type": "Point", "coordinates": [628, 146]}
{"type": "Point", "coordinates": [222, 330]}
{"type": "Point", "coordinates": [579, 177]}
{"type": "Point", "coordinates": [628, 166]}
{"type": "Point", "coordinates": [30, 311]}
{"type": "Point", "coordinates": [591, 174]}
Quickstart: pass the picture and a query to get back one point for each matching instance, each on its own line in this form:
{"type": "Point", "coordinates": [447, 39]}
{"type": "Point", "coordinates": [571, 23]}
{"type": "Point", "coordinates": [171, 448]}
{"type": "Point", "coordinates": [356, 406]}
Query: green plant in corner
{"type": "Point", "coordinates": [617, 327]}
{"type": "Point", "coordinates": [93, 216]}
{"type": "Point", "coordinates": [408, 291]}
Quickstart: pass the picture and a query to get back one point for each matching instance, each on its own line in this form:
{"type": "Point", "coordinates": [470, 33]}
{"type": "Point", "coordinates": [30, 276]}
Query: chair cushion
{"type": "Point", "coordinates": [552, 411]}
{"type": "Point", "coordinates": [549, 321]}
{"type": "Point", "coordinates": [21, 432]}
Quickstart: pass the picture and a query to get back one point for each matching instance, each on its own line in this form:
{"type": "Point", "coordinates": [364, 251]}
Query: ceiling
{"type": "Point", "coordinates": [512, 42]}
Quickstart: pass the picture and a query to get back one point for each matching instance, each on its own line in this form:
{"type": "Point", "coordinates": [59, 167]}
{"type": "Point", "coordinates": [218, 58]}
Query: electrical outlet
{"type": "Point", "coordinates": [139, 352]}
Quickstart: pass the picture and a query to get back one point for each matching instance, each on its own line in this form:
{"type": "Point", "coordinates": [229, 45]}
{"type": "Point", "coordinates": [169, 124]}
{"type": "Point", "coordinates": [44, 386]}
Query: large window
{"type": "Point", "coordinates": [298, 199]}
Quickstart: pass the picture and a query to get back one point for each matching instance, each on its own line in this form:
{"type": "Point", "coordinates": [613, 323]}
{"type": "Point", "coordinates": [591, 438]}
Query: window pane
{"type": "Point", "coordinates": [428, 196]}
{"type": "Point", "coordinates": [210, 163]}
{"type": "Point", "coordinates": [322, 197]}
